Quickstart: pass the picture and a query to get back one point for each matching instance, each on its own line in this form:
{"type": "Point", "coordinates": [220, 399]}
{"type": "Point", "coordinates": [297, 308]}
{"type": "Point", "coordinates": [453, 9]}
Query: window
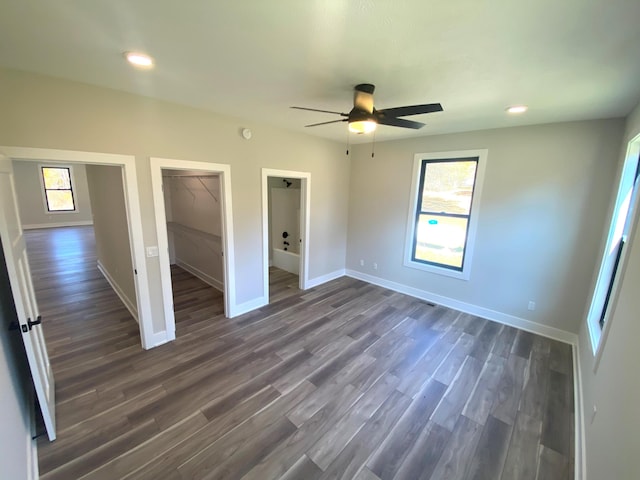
{"type": "Point", "coordinates": [58, 191]}
{"type": "Point", "coordinates": [603, 299]}
{"type": "Point", "coordinates": [443, 211]}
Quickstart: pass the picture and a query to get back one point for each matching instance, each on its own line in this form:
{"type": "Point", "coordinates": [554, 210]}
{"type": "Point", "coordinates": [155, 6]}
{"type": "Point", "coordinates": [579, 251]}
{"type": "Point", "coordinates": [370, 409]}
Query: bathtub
{"type": "Point", "coordinates": [286, 260]}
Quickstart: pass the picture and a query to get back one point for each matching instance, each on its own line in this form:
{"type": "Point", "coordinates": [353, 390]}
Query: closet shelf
{"type": "Point", "coordinates": [180, 228]}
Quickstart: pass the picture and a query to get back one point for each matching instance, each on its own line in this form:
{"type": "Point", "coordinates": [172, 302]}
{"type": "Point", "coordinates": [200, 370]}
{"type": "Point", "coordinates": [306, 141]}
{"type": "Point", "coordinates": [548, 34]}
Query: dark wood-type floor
{"type": "Point", "coordinates": [346, 380]}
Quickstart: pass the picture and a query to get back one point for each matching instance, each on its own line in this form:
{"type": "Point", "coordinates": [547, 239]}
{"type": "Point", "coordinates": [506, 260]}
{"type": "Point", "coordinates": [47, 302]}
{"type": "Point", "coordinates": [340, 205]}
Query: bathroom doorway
{"type": "Point", "coordinates": [285, 224]}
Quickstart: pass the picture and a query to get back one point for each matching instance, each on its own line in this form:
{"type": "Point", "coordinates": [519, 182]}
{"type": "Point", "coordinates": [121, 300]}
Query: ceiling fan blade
{"type": "Point", "coordinates": [326, 123]}
{"type": "Point", "coordinates": [399, 122]}
{"type": "Point", "coordinates": [323, 111]}
{"type": "Point", "coordinates": [411, 110]}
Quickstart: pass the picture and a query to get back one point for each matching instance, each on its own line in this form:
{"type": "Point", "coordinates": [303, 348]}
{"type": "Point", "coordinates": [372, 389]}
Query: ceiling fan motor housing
{"type": "Point", "coordinates": [365, 88]}
{"type": "Point", "coordinates": [357, 115]}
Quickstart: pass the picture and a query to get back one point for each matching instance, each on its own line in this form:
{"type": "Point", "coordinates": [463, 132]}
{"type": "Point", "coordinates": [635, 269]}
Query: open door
{"type": "Point", "coordinates": [29, 320]}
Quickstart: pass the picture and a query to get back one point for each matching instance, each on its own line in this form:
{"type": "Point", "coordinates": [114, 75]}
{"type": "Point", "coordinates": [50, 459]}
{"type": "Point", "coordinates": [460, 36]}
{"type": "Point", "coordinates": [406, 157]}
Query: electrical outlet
{"type": "Point", "coordinates": [361, 262]}
{"type": "Point", "coordinates": [532, 305]}
{"type": "Point", "coordinates": [375, 266]}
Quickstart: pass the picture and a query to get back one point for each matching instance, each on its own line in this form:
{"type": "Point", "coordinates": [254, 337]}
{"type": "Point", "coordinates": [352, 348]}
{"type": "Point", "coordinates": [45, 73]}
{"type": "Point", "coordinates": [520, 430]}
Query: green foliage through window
{"type": "Point", "coordinates": [443, 211]}
{"type": "Point", "coordinates": [58, 190]}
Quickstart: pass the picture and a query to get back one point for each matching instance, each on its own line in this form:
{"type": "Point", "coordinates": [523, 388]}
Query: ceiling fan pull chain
{"type": "Point", "coordinates": [373, 145]}
{"type": "Point", "coordinates": [348, 138]}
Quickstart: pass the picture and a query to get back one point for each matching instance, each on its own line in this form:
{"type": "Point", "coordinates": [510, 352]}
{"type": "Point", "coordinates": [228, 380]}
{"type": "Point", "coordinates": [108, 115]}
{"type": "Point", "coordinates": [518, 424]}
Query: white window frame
{"type": "Point", "coordinates": [598, 334]}
{"type": "Point", "coordinates": [465, 273]}
{"type": "Point", "coordinates": [43, 189]}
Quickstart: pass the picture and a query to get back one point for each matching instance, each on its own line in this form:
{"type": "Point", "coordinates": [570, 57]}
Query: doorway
{"type": "Point", "coordinates": [194, 231]}
{"type": "Point", "coordinates": [194, 226]}
{"type": "Point", "coordinates": [285, 224]}
{"type": "Point", "coordinates": [133, 221]}
{"type": "Point", "coordinates": [75, 220]}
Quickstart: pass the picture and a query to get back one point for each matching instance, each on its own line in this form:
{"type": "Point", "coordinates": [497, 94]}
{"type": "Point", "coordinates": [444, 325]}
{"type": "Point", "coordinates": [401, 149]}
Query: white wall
{"type": "Point", "coordinates": [277, 182]}
{"type": "Point", "coordinates": [613, 438]}
{"type": "Point", "coordinates": [45, 112]}
{"type": "Point", "coordinates": [194, 202]}
{"type": "Point", "coordinates": [33, 212]}
{"type": "Point", "coordinates": [15, 419]}
{"type": "Point", "coordinates": [112, 231]}
{"type": "Point", "coordinates": [545, 196]}
{"type": "Point", "coordinates": [285, 217]}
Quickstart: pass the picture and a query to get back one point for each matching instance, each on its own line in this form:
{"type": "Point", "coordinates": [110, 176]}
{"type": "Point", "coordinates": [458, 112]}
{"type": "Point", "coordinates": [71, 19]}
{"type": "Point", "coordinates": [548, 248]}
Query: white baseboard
{"type": "Point", "coordinates": [314, 282]}
{"type": "Point", "coordinates": [246, 307]}
{"type": "Point", "coordinates": [206, 278]}
{"type": "Point", "coordinates": [580, 459]}
{"type": "Point", "coordinates": [242, 308]}
{"type": "Point", "coordinates": [33, 226]}
{"type": "Point", "coordinates": [116, 288]}
{"type": "Point", "coordinates": [504, 318]}
{"type": "Point", "coordinates": [33, 472]}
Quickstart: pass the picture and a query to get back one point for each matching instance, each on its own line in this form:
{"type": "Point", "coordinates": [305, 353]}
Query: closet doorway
{"type": "Point", "coordinates": [285, 224]}
{"type": "Point", "coordinates": [193, 219]}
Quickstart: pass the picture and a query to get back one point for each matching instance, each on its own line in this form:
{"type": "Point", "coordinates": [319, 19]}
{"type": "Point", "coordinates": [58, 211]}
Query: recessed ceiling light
{"type": "Point", "coordinates": [139, 59]}
{"type": "Point", "coordinates": [517, 109]}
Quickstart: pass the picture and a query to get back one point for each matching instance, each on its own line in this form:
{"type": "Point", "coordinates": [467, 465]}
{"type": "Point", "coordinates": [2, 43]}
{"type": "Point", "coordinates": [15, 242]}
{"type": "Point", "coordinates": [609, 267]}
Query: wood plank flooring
{"type": "Point", "coordinates": [343, 381]}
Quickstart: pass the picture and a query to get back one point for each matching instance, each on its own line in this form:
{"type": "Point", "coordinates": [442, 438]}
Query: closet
{"type": "Point", "coordinates": [194, 223]}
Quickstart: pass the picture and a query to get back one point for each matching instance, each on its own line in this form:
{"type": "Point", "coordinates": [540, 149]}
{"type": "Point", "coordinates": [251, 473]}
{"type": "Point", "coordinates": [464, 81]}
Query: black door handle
{"type": "Point", "coordinates": [37, 321]}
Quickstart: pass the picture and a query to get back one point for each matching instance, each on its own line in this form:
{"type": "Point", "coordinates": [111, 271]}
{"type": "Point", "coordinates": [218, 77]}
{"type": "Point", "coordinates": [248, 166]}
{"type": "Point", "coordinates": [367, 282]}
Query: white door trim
{"type": "Point", "coordinates": [305, 216]}
{"type": "Point", "coordinates": [134, 217]}
{"type": "Point", "coordinates": [157, 164]}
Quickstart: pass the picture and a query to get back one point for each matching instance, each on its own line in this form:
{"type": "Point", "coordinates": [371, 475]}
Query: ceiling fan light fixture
{"type": "Point", "coordinates": [364, 117]}
{"type": "Point", "coordinates": [139, 59]}
{"type": "Point", "coordinates": [362, 126]}
{"type": "Point", "coordinates": [517, 109]}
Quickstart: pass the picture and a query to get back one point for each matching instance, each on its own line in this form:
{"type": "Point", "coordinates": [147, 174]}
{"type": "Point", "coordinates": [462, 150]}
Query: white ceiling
{"type": "Point", "coordinates": [567, 60]}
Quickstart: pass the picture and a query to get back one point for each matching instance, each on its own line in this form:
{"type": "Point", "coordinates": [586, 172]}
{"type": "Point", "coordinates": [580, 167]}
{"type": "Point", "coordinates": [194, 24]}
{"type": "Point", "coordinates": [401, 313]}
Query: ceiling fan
{"type": "Point", "coordinates": [364, 118]}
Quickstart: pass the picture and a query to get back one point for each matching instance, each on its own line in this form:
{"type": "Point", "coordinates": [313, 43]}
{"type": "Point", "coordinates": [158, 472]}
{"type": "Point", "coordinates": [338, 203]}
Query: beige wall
{"type": "Point", "coordinates": [196, 206]}
{"type": "Point", "coordinates": [613, 438]}
{"type": "Point", "coordinates": [33, 212]}
{"type": "Point", "coordinates": [45, 112]}
{"type": "Point", "coordinates": [545, 196]}
{"type": "Point", "coordinates": [111, 229]}
{"type": "Point", "coordinates": [285, 217]}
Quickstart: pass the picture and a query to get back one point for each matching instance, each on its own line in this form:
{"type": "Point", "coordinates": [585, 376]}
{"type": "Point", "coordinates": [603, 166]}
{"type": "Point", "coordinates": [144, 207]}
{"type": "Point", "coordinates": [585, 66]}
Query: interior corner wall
{"type": "Point", "coordinates": [544, 200]}
{"type": "Point", "coordinates": [106, 192]}
{"type": "Point", "coordinates": [611, 437]}
{"type": "Point", "coordinates": [47, 112]}
{"type": "Point", "coordinates": [33, 212]}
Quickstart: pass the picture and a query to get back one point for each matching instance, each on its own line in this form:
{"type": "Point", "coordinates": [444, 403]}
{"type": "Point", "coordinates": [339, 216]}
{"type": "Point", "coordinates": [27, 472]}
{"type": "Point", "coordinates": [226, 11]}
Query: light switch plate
{"type": "Point", "coordinates": [152, 251]}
